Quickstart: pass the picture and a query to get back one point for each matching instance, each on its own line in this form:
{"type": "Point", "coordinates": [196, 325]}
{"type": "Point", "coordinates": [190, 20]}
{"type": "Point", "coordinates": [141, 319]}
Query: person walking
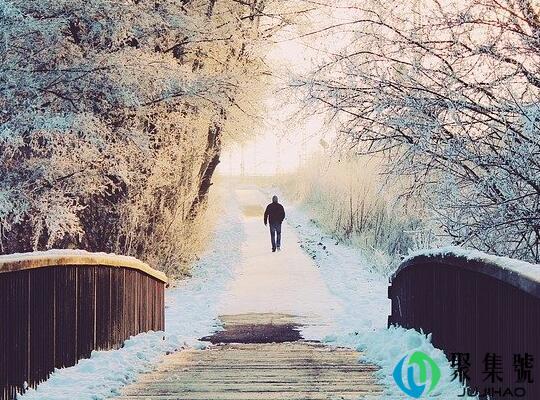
{"type": "Point", "coordinates": [274, 215]}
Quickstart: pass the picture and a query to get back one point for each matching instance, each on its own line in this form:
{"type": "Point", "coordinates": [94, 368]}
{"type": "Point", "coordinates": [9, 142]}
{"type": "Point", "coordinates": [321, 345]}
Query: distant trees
{"type": "Point", "coordinates": [449, 91]}
{"type": "Point", "coordinates": [112, 117]}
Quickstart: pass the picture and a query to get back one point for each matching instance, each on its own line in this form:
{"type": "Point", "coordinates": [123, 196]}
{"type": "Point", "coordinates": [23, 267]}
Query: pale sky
{"type": "Point", "coordinates": [273, 151]}
{"type": "Point", "coordinates": [281, 146]}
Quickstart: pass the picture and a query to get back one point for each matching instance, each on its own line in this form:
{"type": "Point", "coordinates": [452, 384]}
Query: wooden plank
{"type": "Point", "coordinates": [270, 371]}
{"type": "Point", "coordinates": [117, 307]}
{"type": "Point", "coordinates": [41, 332]}
{"type": "Point", "coordinates": [66, 317]}
{"type": "Point", "coordinates": [103, 308]}
{"type": "Point", "coordinates": [17, 317]}
{"type": "Point", "coordinates": [86, 311]}
{"type": "Point", "coordinates": [4, 337]}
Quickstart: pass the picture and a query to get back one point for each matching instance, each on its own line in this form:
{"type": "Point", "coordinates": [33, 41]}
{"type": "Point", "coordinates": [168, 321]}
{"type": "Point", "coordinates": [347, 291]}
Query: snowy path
{"type": "Point", "coordinates": [285, 282]}
{"type": "Point", "coordinates": [273, 297]}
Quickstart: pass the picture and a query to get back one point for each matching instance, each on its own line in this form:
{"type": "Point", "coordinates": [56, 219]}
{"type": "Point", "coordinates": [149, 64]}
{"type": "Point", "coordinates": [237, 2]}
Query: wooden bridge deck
{"type": "Point", "coordinates": [258, 371]}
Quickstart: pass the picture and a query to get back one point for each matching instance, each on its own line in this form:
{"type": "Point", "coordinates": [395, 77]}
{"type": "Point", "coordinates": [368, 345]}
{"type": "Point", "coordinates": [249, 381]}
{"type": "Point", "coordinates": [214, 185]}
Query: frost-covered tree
{"type": "Point", "coordinates": [450, 92]}
{"type": "Point", "coordinates": [113, 113]}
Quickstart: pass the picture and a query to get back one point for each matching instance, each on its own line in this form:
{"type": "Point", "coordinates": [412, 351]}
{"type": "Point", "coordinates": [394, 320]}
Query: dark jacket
{"type": "Point", "coordinates": [275, 213]}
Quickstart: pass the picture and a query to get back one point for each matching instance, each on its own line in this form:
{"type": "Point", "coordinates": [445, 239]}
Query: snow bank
{"type": "Point", "coordinates": [523, 268]}
{"type": "Point", "coordinates": [190, 313]}
{"type": "Point", "coordinates": [386, 347]}
{"type": "Point", "coordinates": [363, 322]}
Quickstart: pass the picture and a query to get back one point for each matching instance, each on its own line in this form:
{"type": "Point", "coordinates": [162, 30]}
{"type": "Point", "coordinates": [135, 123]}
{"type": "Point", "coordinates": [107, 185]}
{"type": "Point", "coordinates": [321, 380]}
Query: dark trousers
{"type": "Point", "coordinates": [275, 234]}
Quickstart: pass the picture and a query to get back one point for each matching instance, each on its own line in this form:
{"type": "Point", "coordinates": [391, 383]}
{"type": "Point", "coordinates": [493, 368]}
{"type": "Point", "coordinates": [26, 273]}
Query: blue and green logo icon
{"type": "Point", "coordinates": [423, 364]}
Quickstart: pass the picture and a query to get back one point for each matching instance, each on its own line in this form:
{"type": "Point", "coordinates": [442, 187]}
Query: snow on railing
{"type": "Point", "coordinates": [57, 306]}
{"type": "Point", "coordinates": [503, 266]}
{"type": "Point", "coordinates": [477, 307]}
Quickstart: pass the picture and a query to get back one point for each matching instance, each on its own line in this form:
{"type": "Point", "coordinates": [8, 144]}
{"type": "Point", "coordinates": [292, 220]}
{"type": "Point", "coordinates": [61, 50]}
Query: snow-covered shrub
{"type": "Point", "coordinates": [112, 116]}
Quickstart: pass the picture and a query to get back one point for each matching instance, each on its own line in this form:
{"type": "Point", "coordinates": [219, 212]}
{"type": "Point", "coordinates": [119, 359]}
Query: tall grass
{"type": "Point", "coordinates": [187, 239]}
{"type": "Point", "coordinates": [349, 198]}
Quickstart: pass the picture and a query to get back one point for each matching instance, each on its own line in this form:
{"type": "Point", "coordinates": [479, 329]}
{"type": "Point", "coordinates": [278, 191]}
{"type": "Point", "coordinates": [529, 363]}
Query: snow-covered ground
{"type": "Point", "coordinates": [331, 285]}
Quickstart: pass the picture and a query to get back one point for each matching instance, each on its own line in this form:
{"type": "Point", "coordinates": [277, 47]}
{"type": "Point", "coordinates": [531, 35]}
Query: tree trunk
{"type": "Point", "coordinates": [212, 154]}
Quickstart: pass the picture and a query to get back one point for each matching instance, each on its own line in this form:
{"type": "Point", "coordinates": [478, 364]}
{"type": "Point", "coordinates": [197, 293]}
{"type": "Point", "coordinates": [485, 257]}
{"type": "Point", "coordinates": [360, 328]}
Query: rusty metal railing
{"type": "Point", "coordinates": [474, 309]}
{"type": "Point", "coordinates": [58, 306]}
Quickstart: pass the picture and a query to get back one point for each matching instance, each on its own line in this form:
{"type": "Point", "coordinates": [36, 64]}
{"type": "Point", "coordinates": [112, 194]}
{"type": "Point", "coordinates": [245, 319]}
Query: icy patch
{"type": "Point", "coordinates": [190, 313]}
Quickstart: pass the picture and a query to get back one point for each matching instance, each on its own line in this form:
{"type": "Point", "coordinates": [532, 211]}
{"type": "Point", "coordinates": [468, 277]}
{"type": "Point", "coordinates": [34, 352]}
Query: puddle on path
{"type": "Point", "coordinates": [257, 328]}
